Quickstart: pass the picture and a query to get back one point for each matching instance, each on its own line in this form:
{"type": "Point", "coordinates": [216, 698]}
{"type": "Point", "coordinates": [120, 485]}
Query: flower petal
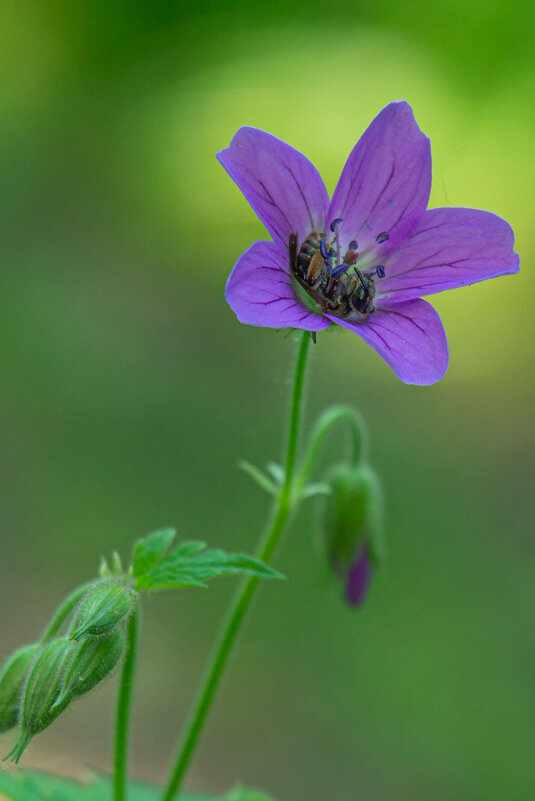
{"type": "Point", "coordinates": [449, 248]}
{"type": "Point", "coordinates": [410, 338]}
{"type": "Point", "coordinates": [359, 577]}
{"type": "Point", "coordinates": [280, 183]}
{"type": "Point", "coordinates": [259, 291]}
{"type": "Point", "coordinates": [386, 177]}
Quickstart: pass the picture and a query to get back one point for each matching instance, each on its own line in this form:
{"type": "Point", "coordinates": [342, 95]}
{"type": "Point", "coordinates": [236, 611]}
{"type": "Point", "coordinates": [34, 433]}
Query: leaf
{"type": "Point", "coordinates": [149, 550]}
{"type": "Point", "coordinates": [189, 566]}
{"type": "Point", "coordinates": [190, 548]}
{"type": "Point", "coordinates": [277, 471]}
{"type": "Point", "coordinates": [243, 794]}
{"type": "Point", "coordinates": [29, 785]}
{"type": "Point", "coordinates": [318, 488]}
{"type": "Point", "coordinates": [258, 476]}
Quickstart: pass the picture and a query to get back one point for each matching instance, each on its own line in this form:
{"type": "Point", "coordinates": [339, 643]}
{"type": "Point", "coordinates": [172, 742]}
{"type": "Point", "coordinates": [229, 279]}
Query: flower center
{"type": "Point", "coordinates": [337, 285]}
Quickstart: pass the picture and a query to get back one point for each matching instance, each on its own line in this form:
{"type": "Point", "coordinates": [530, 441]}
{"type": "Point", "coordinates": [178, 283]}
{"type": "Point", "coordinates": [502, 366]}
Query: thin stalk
{"type": "Point", "coordinates": [329, 418]}
{"type": "Point", "coordinates": [62, 613]}
{"type": "Point", "coordinates": [123, 711]}
{"type": "Point", "coordinates": [245, 595]}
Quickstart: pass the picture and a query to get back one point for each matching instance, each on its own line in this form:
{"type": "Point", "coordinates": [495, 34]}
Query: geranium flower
{"type": "Point", "coordinates": [364, 259]}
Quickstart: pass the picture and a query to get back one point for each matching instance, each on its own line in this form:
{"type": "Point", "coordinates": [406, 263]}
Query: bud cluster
{"type": "Point", "coordinates": [39, 681]}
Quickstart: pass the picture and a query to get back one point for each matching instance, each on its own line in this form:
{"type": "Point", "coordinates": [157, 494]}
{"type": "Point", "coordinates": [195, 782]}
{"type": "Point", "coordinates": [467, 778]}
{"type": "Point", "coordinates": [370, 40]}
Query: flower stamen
{"type": "Point", "coordinates": [324, 252]}
{"type": "Point", "coordinates": [379, 271]}
{"type": "Point", "coordinates": [335, 223]}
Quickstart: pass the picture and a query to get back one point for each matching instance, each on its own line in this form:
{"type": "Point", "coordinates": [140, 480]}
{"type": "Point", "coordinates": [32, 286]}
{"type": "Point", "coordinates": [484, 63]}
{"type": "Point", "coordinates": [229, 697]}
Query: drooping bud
{"type": "Point", "coordinates": [12, 678]}
{"type": "Point", "coordinates": [38, 708]}
{"type": "Point", "coordinates": [89, 662]}
{"type": "Point", "coordinates": [352, 527]}
{"type": "Point", "coordinates": [106, 605]}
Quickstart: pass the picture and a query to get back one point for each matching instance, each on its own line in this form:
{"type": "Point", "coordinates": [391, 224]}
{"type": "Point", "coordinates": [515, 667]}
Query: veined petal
{"type": "Point", "coordinates": [387, 177]}
{"type": "Point", "coordinates": [409, 336]}
{"type": "Point", "coordinates": [450, 247]}
{"type": "Point", "coordinates": [259, 291]}
{"type": "Point", "coordinates": [281, 184]}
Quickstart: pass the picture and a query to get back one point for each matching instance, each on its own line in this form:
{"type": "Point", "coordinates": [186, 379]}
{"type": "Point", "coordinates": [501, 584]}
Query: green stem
{"type": "Point", "coordinates": [245, 595]}
{"type": "Point", "coordinates": [62, 613]}
{"type": "Point", "coordinates": [329, 418]}
{"type": "Point", "coordinates": [123, 711]}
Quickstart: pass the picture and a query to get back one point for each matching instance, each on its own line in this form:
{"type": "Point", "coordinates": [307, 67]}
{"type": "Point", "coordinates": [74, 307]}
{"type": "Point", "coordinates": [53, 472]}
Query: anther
{"type": "Point", "coordinates": [334, 223]}
{"type": "Point", "coordinates": [380, 271]}
{"type": "Point", "coordinates": [353, 245]}
{"type": "Point", "coordinates": [323, 250]}
{"type": "Point", "coordinates": [381, 237]}
{"type": "Point", "coordinates": [340, 270]}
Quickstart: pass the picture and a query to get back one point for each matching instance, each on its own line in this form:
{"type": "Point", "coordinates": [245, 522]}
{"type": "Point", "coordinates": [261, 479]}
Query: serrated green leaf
{"type": "Point", "coordinates": [191, 567]}
{"type": "Point", "coordinates": [258, 476]}
{"type": "Point", "coordinates": [29, 785]}
{"type": "Point", "coordinates": [190, 548]}
{"type": "Point", "coordinates": [149, 550]}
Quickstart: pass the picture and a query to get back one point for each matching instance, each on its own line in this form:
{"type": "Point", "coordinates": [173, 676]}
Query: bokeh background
{"type": "Point", "coordinates": [129, 391]}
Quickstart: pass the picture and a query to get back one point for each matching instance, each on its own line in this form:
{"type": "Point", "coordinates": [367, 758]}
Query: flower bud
{"type": "Point", "coordinates": [89, 662]}
{"type": "Point", "coordinates": [107, 604]}
{"type": "Point", "coordinates": [12, 677]}
{"type": "Point", "coordinates": [352, 527]}
{"type": "Point", "coordinates": [38, 708]}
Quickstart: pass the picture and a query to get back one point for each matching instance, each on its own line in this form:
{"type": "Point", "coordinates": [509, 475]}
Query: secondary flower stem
{"type": "Point", "coordinates": [245, 595]}
{"type": "Point", "coordinates": [62, 613]}
{"type": "Point", "coordinates": [334, 415]}
{"type": "Point", "coordinates": [123, 711]}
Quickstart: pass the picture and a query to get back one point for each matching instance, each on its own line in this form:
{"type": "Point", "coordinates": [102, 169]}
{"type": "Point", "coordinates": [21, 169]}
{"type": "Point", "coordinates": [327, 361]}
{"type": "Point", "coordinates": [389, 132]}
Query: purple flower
{"type": "Point", "coordinates": [364, 259]}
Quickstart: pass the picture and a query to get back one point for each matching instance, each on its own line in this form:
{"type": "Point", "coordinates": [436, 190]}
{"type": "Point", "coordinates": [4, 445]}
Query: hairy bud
{"type": "Point", "coordinates": [12, 677]}
{"type": "Point", "coordinates": [38, 707]}
{"type": "Point", "coordinates": [107, 604]}
{"type": "Point", "coordinates": [352, 527]}
{"type": "Point", "coordinates": [89, 662]}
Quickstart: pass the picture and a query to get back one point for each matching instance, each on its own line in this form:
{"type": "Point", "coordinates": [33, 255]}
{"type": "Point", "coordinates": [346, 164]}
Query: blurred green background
{"type": "Point", "coordinates": [129, 391]}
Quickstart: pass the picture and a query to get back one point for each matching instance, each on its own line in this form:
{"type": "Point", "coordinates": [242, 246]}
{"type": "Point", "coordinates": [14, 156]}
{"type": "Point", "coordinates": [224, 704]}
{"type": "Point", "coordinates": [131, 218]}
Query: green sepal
{"type": "Point", "coordinates": [91, 661]}
{"type": "Point", "coordinates": [353, 513]}
{"type": "Point", "coordinates": [12, 678]}
{"type": "Point", "coordinates": [107, 604]}
{"type": "Point", "coordinates": [38, 708]}
{"type": "Point", "coordinates": [189, 565]}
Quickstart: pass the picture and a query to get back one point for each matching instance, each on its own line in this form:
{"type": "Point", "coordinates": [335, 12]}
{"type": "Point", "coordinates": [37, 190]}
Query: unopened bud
{"type": "Point", "coordinates": [12, 678]}
{"type": "Point", "coordinates": [89, 662]}
{"type": "Point", "coordinates": [38, 708]}
{"type": "Point", "coordinates": [106, 605]}
{"type": "Point", "coordinates": [352, 527]}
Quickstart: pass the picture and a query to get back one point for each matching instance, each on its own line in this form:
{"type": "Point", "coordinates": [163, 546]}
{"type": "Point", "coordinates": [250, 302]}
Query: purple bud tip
{"type": "Point", "coordinates": [353, 245]}
{"type": "Point", "coordinates": [380, 270]}
{"type": "Point", "coordinates": [359, 577]}
{"type": "Point", "coordinates": [323, 250]}
{"type": "Point", "coordinates": [335, 223]}
{"type": "Point", "coordinates": [381, 237]}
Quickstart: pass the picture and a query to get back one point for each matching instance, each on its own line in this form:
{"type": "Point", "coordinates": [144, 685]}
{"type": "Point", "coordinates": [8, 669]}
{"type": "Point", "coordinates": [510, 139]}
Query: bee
{"type": "Point", "coordinates": [340, 295]}
{"type": "Point", "coordinates": [309, 265]}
